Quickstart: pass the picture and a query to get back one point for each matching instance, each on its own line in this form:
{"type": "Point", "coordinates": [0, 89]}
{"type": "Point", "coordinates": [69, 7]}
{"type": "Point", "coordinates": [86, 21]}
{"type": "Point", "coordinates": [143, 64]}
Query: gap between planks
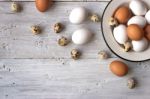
{"type": "Point", "coordinates": [59, 1]}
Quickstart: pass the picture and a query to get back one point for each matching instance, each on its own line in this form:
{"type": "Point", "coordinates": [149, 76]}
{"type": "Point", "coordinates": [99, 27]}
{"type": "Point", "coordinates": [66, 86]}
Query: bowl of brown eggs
{"type": "Point", "coordinates": [126, 29]}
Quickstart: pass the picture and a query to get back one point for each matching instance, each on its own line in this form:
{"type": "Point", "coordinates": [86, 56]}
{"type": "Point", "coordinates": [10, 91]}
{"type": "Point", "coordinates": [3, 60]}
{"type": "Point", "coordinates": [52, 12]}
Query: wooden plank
{"type": "Point", "coordinates": [69, 79]}
{"type": "Point", "coordinates": [17, 41]}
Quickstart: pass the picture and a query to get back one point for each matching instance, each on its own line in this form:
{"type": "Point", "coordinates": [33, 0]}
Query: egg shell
{"type": "Point", "coordinates": [81, 36]}
{"type": "Point", "coordinates": [135, 32]}
{"type": "Point", "coordinates": [140, 45]}
{"type": "Point", "coordinates": [123, 14]}
{"type": "Point", "coordinates": [118, 68]}
{"type": "Point", "coordinates": [43, 5]}
{"type": "Point", "coordinates": [138, 7]}
{"type": "Point", "coordinates": [139, 20]}
{"type": "Point", "coordinates": [147, 16]}
{"type": "Point", "coordinates": [120, 34]}
{"type": "Point", "coordinates": [78, 15]}
{"type": "Point", "coordinates": [147, 32]}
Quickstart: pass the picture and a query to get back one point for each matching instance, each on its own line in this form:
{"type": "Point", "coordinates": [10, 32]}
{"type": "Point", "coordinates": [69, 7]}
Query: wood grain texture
{"type": "Point", "coordinates": [35, 67]}
{"type": "Point", "coordinates": [17, 41]}
{"type": "Point", "coordinates": [68, 79]}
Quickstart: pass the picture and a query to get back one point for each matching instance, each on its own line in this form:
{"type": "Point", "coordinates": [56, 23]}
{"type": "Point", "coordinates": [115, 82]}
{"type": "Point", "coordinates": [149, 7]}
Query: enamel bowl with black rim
{"type": "Point", "coordinates": [108, 35]}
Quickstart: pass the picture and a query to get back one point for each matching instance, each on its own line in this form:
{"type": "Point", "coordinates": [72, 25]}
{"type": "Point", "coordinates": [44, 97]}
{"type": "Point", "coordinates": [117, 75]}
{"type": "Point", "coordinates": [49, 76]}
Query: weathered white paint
{"type": "Point", "coordinates": [17, 41]}
{"type": "Point", "coordinates": [35, 67]}
{"type": "Point", "coordinates": [69, 79]}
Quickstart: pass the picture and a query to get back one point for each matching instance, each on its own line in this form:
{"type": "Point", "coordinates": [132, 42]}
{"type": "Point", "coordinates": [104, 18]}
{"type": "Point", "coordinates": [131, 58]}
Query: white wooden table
{"type": "Point", "coordinates": [35, 67]}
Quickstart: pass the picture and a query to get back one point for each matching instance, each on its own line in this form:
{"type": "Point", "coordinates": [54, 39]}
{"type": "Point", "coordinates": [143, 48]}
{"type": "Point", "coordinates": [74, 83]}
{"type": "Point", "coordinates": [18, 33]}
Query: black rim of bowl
{"type": "Point", "coordinates": [108, 44]}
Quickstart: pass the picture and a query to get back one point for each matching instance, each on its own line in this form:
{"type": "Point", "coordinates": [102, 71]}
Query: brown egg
{"type": "Point", "coordinates": [119, 68]}
{"type": "Point", "coordinates": [147, 32]}
{"type": "Point", "coordinates": [43, 5]}
{"type": "Point", "coordinates": [135, 32]}
{"type": "Point", "coordinates": [123, 14]}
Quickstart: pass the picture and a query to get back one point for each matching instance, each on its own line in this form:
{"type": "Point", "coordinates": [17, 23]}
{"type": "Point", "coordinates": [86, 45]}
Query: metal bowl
{"type": "Point", "coordinates": [108, 35]}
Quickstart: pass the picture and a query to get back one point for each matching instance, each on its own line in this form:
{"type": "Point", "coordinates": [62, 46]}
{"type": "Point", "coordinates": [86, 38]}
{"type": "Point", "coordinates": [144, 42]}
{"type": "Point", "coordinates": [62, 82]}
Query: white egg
{"type": "Point", "coordinates": [138, 7]}
{"type": "Point", "coordinates": [141, 45]}
{"type": "Point", "coordinates": [120, 34]}
{"type": "Point", "coordinates": [139, 20]}
{"type": "Point", "coordinates": [81, 36]}
{"type": "Point", "coordinates": [78, 15]}
{"type": "Point", "coordinates": [147, 16]}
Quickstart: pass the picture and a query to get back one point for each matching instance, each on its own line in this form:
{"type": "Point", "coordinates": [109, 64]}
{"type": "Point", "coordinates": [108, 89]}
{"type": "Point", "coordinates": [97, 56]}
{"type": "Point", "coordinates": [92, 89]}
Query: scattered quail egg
{"type": "Point", "coordinates": [63, 41]}
{"type": "Point", "coordinates": [147, 16]}
{"type": "Point", "coordinates": [75, 54]}
{"type": "Point", "coordinates": [58, 27]}
{"type": "Point", "coordinates": [36, 29]}
{"type": "Point", "coordinates": [81, 36]}
{"type": "Point", "coordinates": [15, 7]}
{"type": "Point", "coordinates": [138, 7]}
{"type": "Point", "coordinates": [112, 22]}
{"type": "Point", "coordinates": [123, 14]}
{"type": "Point", "coordinates": [120, 34]}
{"type": "Point", "coordinates": [127, 46]}
{"type": "Point", "coordinates": [139, 20]}
{"type": "Point", "coordinates": [103, 55]}
{"type": "Point", "coordinates": [140, 45]}
{"type": "Point", "coordinates": [95, 18]}
{"type": "Point", "coordinates": [78, 15]}
{"type": "Point", "coordinates": [131, 83]}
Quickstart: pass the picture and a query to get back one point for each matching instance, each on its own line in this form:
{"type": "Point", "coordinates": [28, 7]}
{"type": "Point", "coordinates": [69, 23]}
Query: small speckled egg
{"type": "Point", "coordinates": [140, 45]}
{"type": "Point", "coordinates": [81, 36]}
{"type": "Point", "coordinates": [120, 34]}
{"type": "Point", "coordinates": [139, 20]}
{"type": "Point", "coordinates": [138, 7]}
{"type": "Point", "coordinates": [147, 16]}
{"type": "Point", "coordinates": [78, 15]}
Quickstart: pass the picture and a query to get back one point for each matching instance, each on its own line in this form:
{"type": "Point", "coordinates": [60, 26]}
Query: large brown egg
{"type": "Point", "coordinates": [147, 32]}
{"type": "Point", "coordinates": [119, 68]}
{"type": "Point", "coordinates": [43, 5]}
{"type": "Point", "coordinates": [123, 14]}
{"type": "Point", "coordinates": [135, 32]}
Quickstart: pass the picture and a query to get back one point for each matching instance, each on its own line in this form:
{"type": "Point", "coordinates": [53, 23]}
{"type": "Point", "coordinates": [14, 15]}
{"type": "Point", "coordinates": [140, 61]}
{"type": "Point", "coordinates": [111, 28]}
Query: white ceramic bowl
{"type": "Point", "coordinates": [108, 35]}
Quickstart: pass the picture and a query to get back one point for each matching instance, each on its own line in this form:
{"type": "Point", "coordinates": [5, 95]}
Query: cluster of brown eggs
{"type": "Point", "coordinates": [132, 24]}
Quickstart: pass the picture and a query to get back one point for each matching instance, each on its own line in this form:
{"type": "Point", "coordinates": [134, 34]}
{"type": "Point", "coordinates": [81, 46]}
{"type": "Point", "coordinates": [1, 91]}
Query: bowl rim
{"type": "Point", "coordinates": [107, 42]}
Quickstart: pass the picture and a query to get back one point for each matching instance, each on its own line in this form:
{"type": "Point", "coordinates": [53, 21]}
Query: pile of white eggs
{"type": "Point", "coordinates": [141, 17]}
{"type": "Point", "coordinates": [82, 35]}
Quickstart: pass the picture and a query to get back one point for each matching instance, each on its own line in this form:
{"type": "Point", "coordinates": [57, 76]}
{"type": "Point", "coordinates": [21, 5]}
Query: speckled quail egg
{"type": "Point", "coordinates": [138, 7]}
{"type": "Point", "coordinates": [120, 34]}
{"type": "Point", "coordinates": [139, 20]}
{"type": "Point", "coordinates": [140, 45]}
{"type": "Point", "coordinates": [81, 36]}
{"type": "Point", "coordinates": [147, 16]}
{"type": "Point", "coordinates": [78, 15]}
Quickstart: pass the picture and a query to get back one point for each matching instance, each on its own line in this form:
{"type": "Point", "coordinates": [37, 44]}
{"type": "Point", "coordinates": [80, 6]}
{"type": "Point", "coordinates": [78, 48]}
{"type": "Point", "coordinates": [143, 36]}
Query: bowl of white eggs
{"type": "Point", "coordinates": [126, 29]}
